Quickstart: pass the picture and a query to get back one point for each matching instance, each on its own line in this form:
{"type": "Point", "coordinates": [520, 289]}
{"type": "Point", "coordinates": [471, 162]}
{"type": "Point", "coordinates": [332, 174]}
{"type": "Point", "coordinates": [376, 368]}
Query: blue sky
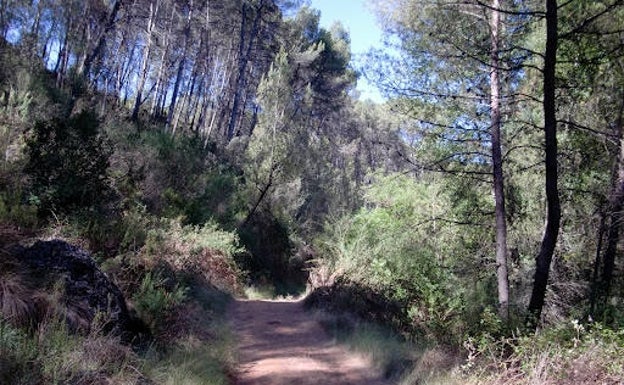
{"type": "Point", "coordinates": [364, 30]}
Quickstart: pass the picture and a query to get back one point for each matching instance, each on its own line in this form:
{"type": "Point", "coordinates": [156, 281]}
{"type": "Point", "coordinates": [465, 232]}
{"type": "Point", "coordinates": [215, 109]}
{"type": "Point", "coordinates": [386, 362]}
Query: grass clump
{"type": "Point", "coordinates": [260, 291]}
{"type": "Point", "coordinates": [155, 301]}
{"type": "Point", "coordinates": [567, 354]}
{"type": "Point", "coordinates": [201, 347]}
{"type": "Point", "coordinates": [193, 362]}
{"type": "Point", "coordinates": [53, 355]}
{"type": "Point", "coordinates": [177, 279]}
{"type": "Point", "coordinates": [207, 251]}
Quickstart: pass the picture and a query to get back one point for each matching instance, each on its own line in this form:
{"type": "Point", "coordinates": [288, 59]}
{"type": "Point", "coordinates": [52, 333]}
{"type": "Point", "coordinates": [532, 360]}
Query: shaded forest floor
{"type": "Point", "coordinates": [281, 344]}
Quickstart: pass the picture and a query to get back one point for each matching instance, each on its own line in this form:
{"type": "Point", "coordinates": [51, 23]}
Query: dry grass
{"type": "Point", "coordinates": [198, 350]}
{"type": "Point", "coordinates": [564, 355]}
{"type": "Point", "coordinates": [569, 354]}
{"type": "Point", "coordinates": [38, 343]}
{"type": "Point", "coordinates": [16, 303]}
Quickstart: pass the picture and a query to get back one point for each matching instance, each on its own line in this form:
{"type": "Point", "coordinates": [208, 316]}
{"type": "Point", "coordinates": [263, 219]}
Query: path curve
{"type": "Point", "coordinates": [280, 344]}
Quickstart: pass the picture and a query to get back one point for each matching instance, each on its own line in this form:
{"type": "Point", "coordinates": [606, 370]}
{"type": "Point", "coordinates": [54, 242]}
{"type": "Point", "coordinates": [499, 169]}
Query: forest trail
{"type": "Point", "coordinates": [280, 344]}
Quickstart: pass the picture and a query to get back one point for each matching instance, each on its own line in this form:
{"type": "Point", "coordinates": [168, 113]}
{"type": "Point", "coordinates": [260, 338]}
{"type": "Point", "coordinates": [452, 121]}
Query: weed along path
{"type": "Point", "coordinates": [280, 344]}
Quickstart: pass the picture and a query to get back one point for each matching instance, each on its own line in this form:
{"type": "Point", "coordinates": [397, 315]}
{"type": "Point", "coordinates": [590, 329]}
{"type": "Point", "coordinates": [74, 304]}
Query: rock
{"type": "Point", "coordinates": [86, 290]}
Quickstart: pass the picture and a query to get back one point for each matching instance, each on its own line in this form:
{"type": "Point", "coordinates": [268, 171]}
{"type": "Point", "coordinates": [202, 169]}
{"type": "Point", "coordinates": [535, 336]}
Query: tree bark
{"type": "Point", "coordinates": [181, 65]}
{"type": "Point", "coordinates": [99, 47]}
{"type": "Point", "coordinates": [616, 203]}
{"type": "Point", "coordinates": [610, 223]}
{"type": "Point", "coordinates": [186, 105]}
{"type": "Point", "coordinates": [34, 31]}
{"type": "Point", "coordinates": [243, 60]}
{"type": "Point", "coordinates": [145, 60]}
{"type": "Point", "coordinates": [497, 165]}
{"type": "Point", "coordinates": [155, 110]}
{"type": "Point", "coordinates": [263, 193]}
{"type": "Point", "coordinates": [61, 60]}
{"type": "Point", "coordinates": [553, 217]}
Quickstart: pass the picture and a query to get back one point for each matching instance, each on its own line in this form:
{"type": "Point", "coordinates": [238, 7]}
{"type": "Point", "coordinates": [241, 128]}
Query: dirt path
{"type": "Point", "coordinates": [280, 344]}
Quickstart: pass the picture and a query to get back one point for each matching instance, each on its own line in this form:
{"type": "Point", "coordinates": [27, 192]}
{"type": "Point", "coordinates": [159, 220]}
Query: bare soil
{"type": "Point", "coordinates": [281, 344]}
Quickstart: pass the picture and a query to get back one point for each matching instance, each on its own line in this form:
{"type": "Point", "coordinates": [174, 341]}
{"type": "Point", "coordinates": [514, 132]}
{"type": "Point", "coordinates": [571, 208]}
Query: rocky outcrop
{"type": "Point", "coordinates": [85, 291]}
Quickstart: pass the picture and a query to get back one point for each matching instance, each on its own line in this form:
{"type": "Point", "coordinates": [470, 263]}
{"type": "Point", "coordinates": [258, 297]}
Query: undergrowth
{"type": "Point", "coordinates": [177, 279]}
{"type": "Point", "coordinates": [566, 354]}
{"type": "Point", "coordinates": [52, 355]}
{"type": "Point", "coordinates": [569, 354]}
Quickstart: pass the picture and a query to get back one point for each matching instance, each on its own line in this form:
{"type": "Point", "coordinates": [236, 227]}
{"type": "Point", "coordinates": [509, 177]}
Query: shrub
{"type": "Point", "coordinates": [68, 161]}
{"type": "Point", "coordinates": [269, 242]}
{"type": "Point", "coordinates": [204, 250]}
{"type": "Point", "coordinates": [14, 210]}
{"type": "Point", "coordinates": [404, 264]}
{"type": "Point", "coordinates": [156, 298]}
{"type": "Point", "coordinates": [570, 353]}
{"type": "Point", "coordinates": [52, 355]}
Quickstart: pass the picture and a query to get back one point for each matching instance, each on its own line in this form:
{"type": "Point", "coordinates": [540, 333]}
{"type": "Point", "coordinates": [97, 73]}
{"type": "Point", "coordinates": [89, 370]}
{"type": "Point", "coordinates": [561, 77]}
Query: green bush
{"type": "Point", "coordinates": [156, 298]}
{"type": "Point", "coordinates": [14, 210]}
{"type": "Point", "coordinates": [17, 356]}
{"type": "Point", "coordinates": [207, 251]}
{"type": "Point", "coordinates": [68, 162]}
{"type": "Point", "coordinates": [171, 236]}
{"type": "Point", "coordinates": [268, 240]}
{"type": "Point", "coordinates": [52, 355]}
{"type": "Point", "coordinates": [569, 353]}
{"type": "Point", "coordinates": [392, 238]}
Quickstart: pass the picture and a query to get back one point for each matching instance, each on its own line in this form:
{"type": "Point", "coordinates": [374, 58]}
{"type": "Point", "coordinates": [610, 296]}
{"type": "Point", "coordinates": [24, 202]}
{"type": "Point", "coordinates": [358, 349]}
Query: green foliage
{"type": "Point", "coordinates": [17, 104]}
{"type": "Point", "coordinates": [51, 355]}
{"type": "Point", "coordinates": [573, 353]}
{"type": "Point", "coordinates": [191, 240]}
{"type": "Point", "coordinates": [207, 251]}
{"type": "Point", "coordinates": [271, 262]}
{"type": "Point", "coordinates": [193, 358]}
{"type": "Point", "coordinates": [156, 298]}
{"type": "Point", "coordinates": [193, 365]}
{"type": "Point", "coordinates": [392, 239]}
{"type": "Point", "coordinates": [17, 352]}
{"type": "Point", "coordinates": [14, 210]}
{"type": "Point", "coordinates": [68, 162]}
{"type": "Point", "coordinates": [179, 177]}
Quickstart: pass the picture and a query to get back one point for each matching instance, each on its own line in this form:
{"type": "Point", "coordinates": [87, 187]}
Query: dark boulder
{"type": "Point", "coordinates": [86, 292]}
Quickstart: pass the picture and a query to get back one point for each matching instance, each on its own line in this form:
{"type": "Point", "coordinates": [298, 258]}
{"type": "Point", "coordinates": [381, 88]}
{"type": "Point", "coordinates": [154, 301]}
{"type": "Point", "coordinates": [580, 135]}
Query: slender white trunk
{"type": "Point", "coordinates": [497, 164]}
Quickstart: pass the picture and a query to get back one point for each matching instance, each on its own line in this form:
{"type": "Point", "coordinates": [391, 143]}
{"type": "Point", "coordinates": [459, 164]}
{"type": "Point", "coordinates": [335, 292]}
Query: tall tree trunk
{"type": "Point", "coordinates": [497, 165]}
{"type": "Point", "coordinates": [210, 102]}
{"type": "Point", "coordinates": [593, 295]}
{"type": "Point", "coordinates": [610, 223]}
{"type": "Point", "coordinates": [194, 111]}
{"type": "Point", "coordinates": [181, 65]}
{"type": "Point", "coordinates": [121, 82]}
{"type": "Point", "coordinates": [553, 217]}
{"type": "Point", "coordinates": [48, 42]}
{"type": "Point", "coordinates": [185, 106]}
{"type": "Point", "coordinates": [34, 31]}
{"type": "Point", "coordinates": [61, 62]}
{"type": "Point", "coordinates": [4, 22]}
{"type": "Point", "coordinates": [158, 89]}
{"type": "Point", "coordinates": [145, 60]}
{"type": "Point", "coordinates": [244, 55]}
{"type": "Point", "coordinates": [90, 57]}
{"type": "Point", "coordinates": [616, 203]}
{"type": "Point", "coordinates": [174, 94]}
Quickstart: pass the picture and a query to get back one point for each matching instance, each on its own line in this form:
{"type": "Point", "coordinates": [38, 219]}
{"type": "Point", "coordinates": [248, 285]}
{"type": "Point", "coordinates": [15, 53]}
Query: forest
{"type": "Point", "coordinates": [202, 151]}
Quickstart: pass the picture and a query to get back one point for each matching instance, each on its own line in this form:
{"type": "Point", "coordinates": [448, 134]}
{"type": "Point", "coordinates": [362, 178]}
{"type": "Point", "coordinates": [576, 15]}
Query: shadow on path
{"type": "Point", "coordinates": [280, 344]}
